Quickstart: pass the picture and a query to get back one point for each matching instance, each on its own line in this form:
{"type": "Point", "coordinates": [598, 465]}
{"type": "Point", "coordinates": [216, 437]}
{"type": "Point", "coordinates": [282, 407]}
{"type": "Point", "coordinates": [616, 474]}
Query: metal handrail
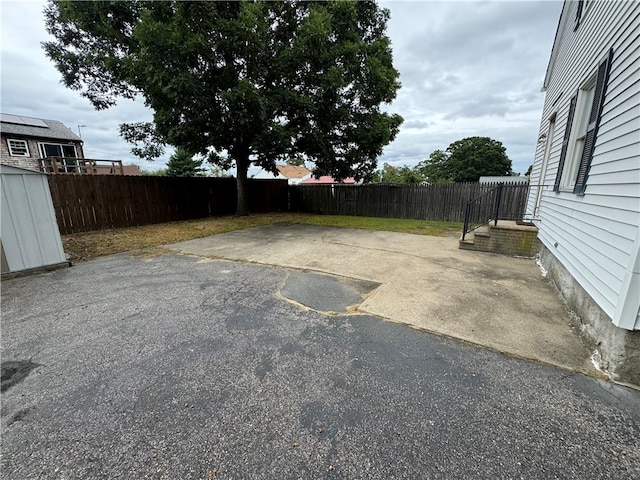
{"type": "Point", "coordinates": [489, 207]}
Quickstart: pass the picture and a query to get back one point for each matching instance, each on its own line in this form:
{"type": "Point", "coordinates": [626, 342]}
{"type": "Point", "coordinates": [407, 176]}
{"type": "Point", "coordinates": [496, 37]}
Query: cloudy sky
{"type": "Point", "coordinates": [468, 68]}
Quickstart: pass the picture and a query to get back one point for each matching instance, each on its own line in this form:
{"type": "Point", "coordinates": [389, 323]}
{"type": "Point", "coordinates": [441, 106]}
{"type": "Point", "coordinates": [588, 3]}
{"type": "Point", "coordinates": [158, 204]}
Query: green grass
{"type": "Point", "coordinates": [420, 227]}
{"type": "Point", "coordinates": [85, 246]}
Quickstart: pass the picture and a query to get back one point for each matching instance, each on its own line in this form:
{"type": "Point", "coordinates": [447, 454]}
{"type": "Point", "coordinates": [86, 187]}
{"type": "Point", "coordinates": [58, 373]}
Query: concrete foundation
{"type": "Point", "coordinates": [616, 350]}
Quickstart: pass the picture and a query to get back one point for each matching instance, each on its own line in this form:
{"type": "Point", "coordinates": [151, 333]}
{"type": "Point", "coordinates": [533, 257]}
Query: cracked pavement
{"type": "Point", "coordinates": [175, 366]}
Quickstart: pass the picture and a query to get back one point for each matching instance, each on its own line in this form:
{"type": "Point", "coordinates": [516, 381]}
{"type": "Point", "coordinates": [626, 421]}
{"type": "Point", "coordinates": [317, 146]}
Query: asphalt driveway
{"type": "Point", "coordinates": [183, 367]}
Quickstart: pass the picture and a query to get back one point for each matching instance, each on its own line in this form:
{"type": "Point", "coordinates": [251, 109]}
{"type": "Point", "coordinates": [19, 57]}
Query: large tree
{"type": "Point", "coordinates": [467, 160]}
{"type": "Point", "coordinates": [238, 82]}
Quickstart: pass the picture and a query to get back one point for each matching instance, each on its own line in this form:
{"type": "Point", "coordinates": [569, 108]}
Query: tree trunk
{"type": "Point", "coordinates": [242, 207]}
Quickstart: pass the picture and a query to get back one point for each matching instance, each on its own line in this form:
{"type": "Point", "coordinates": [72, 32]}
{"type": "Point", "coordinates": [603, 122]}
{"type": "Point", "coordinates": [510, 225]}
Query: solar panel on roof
{"type": "Point", "coordinates": [29, 121]}
{"type": "Point", "coordinates": [6, 118]}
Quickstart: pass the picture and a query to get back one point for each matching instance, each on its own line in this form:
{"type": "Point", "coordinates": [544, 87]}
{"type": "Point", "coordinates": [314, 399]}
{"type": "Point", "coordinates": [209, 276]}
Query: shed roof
{"type": "Point", "coordinates": [13, 170]}
{"type": "Point", "coordinates": [35, 127]}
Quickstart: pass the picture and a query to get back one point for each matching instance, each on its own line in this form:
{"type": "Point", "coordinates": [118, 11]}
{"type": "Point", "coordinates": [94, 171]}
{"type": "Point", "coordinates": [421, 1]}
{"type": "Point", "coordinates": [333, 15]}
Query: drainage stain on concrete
{"type": "Point", "coordinates": [326, 293]}
{"type": "Point", "coordinates": [14, 372]}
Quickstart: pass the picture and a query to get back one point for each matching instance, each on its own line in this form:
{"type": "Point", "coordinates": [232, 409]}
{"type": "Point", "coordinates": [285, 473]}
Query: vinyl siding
{"type": "Point", "coordinates": [595, 236]}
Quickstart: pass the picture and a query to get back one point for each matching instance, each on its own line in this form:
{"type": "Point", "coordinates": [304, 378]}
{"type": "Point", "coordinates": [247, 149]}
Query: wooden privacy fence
{"type": "Point", "coordinates": [444, 202]}
{"type": "Point", "coordinates": [94, 202]}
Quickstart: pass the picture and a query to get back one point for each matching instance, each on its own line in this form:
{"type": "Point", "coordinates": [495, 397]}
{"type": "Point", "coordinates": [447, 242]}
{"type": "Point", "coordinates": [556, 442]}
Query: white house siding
{"type": "Point", "coordinates": [595, 236]}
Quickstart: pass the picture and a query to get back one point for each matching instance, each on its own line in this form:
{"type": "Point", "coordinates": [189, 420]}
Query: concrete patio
{"type": "Point", "coordinates": [500, 302]}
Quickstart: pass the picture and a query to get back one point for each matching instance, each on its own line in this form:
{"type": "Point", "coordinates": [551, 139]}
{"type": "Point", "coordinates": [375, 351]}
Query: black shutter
{"type": "Point", "coordinates": [578, 15]}
{"type": "Point", "coordinates": [594, 122]}
{"type": "Point", "coordinates": [565, 142]}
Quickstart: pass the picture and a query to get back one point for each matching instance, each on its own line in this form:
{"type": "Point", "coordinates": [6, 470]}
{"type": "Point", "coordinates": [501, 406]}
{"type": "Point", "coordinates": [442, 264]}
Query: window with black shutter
{"type": "Point", "coordinates": [594, 122]}
{"type": "Point", "coordinates": [581, 131]}
{"type": "Point", "coordinates": [580, 8]}
{"type": "Point", "coordinates": [565, 142]}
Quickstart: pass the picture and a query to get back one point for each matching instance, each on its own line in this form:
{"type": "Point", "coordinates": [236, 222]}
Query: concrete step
{"type": "Point", "coordinates": [507, 238]}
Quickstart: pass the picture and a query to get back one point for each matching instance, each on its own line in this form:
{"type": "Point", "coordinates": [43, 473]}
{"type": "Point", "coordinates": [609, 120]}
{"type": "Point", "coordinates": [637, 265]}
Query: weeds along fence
{"type": "Point", "coordinates": [94, 202]}
{"type": "Point", "coordinates": [443, 202]}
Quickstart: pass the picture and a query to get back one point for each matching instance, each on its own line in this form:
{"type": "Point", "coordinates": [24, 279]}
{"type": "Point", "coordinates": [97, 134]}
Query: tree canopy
{"type": "Point", "coordinates": [183, 164]}
{"type": "Point", "coordinates": [466, 160]}
{"type": "Point", "coordinates": [436, 168]}
{"type": "Point", "coordinates": [401, 174]}
{"type": "Point", "coordinates": [238, 82]}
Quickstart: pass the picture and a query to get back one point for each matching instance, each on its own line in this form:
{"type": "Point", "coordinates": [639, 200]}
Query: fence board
{"type": "Point", "coordinates": [444, 202]}
{"type": "Point", "coordinates": [93, 202]}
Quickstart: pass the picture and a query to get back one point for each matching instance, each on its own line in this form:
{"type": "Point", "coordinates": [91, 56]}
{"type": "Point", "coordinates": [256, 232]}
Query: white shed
{"type": "Point", "coordinates": [29, 235]}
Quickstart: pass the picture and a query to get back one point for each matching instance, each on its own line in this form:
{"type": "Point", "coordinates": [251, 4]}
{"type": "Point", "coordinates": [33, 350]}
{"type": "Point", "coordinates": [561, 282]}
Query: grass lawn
{"type": "Point", "coordinates": [85, 246]}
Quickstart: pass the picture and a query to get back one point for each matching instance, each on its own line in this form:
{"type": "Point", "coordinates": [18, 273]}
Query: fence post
{"type": "Point", "coordinates": [498, 200]}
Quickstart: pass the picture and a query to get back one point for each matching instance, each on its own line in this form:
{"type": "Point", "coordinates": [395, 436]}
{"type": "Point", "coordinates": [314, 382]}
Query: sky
{"type": "Point", "coordinates": [467, 68]}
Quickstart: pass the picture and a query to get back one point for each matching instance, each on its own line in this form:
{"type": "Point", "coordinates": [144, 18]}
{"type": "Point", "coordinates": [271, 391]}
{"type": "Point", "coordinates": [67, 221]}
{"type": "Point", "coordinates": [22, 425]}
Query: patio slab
{"type": "Point", "coordinates": [500, 302]}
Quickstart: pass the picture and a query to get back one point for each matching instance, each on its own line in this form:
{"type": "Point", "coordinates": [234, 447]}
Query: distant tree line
{"type": "Point", "coordinates": [464, 160]}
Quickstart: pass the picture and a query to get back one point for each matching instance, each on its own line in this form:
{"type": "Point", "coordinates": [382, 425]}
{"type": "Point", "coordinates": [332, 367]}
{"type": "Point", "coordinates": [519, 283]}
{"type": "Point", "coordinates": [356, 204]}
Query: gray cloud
{"type": "Point", "coordinates": [470, 69]}
{"type": "Point", "coordinates": [467, 68]}
{"type": "Point", "coordinates": [419, 124]}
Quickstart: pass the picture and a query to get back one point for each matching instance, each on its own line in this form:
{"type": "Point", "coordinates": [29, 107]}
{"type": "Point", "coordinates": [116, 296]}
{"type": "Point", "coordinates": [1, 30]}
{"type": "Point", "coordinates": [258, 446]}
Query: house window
{"type": "Point", "coordinates": [65, 155]}
{"type": "Point", "coordinates": [578, 134]}
{"type": "Point", "coordinates": [18, 148]}
{"type": "Point", "coordinates": [579, 12]}
{"type": "Point", "coordinates": [583, 119]}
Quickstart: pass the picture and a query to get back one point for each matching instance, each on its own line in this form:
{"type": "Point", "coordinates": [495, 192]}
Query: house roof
{"type": "Point", "coordinates": [292, 171]}
{"type": "Point", "coordinates": [327, 179]}
{"type": "Point", "coordinates": [554, 50]}
{"type": "Point", "coordinates": [35, 127]}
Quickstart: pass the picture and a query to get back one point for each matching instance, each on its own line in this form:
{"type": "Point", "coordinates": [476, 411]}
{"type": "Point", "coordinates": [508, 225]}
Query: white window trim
{"type": "Point", "coordinates": [42, 152]}
{"type": "Point", "coordinates": [578, 133]}
{"type": "Point", "coordinates": [70, 164]}
{"type": "Point", "coordinates": [14, 154]}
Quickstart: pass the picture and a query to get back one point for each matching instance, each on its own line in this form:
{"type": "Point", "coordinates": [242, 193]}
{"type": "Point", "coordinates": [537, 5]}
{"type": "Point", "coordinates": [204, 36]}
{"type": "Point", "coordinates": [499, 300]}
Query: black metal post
{"type": "Point", "coordinates": [498, 200]}
{"type": "Point", "coordinates": [466, 218]}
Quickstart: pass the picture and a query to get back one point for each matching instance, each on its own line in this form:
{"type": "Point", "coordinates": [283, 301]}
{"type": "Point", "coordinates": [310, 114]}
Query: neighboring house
{"type": "Point", "coordinates": [292, 173]}
{"type": "Point", "coordinates": [24, 140]}
{"type": "Point", "coordinates": [503, 179]}
{"type": "Point", "coordinates": [130, 170]}
{"type": "Point", "coordinates": [588, 159]}
{"type": "Point", "coordinates": [327, 180]}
